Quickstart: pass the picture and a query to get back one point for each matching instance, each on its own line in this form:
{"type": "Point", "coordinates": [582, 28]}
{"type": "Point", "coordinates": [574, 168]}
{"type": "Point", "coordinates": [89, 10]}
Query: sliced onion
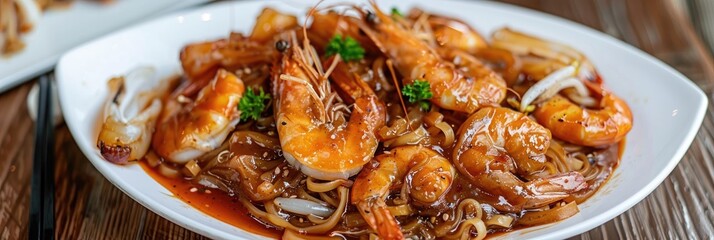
{"type": "Point", "coordinates": [500, 220]}
{"type": "Point", "coordinates": [563, 84]}
{"type": "Point", "coordinates": [213, 182]}
{"type": "Point", "coordinates": [554, 83]}
{"type": "Point", "coordinates": [169, 171]}
{"type": "Point", "coordinates": [303, 207]}
{"type": "Point", "coordinates": [544, 84]}
{"type": "Point", "coordinates": [583, 100]}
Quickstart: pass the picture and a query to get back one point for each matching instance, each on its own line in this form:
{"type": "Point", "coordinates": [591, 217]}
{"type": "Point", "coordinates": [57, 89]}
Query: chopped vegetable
{"type": "Point", "coordinates": [348, 48]}
{"type": "Point", "coordinates": [418, 92]}
{"type": "Point", "coordinates": [252, 104]}
{"type": "Point", "coordinates": [396, 12]}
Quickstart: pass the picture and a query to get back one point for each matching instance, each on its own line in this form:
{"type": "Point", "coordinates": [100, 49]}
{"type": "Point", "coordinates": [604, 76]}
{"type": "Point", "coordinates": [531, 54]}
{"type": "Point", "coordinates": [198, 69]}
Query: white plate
{"type": "Point", "coordinates": [62, 29]}
{"type": "Point", "coordinates": [668, 108]}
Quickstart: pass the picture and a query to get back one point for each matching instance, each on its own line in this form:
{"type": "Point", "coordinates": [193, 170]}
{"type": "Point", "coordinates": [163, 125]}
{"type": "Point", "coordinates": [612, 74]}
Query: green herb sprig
{"type": "Point", "coordinates": [252, 104]}
{"type": "Point", "coordinates": [418, 92]}
{"type": "Point", "coordinates": [348, 48]}
{"type": "Point", "coordinates": [396, 12]}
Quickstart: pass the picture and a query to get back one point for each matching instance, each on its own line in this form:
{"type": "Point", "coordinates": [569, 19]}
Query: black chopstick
{"type": "Point", "coordinates": [42, 199]}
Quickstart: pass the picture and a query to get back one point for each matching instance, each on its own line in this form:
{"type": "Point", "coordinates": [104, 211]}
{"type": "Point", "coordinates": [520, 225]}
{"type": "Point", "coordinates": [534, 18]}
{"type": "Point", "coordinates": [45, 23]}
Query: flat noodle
{"type": "Point", "coordinates": [557, 157]}
{"type": "Point", "coordinates": [416, 137]}
{"type": "Point", "coordinates": [292, 235]}
{"type": "Point", "coordinates": [464, 231]}
{"type": "Point", "coordinates": [457, 229]}
{"type": "Point", "coordinates": [548, 216]}
{"type": "Point", "coordinates": [325, 186]}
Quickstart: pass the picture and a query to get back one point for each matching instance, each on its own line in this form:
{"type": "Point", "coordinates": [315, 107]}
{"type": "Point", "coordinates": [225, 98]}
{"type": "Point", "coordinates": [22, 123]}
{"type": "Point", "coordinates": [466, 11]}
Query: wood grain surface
{"type": "Point", "coordinates": [87, 206]}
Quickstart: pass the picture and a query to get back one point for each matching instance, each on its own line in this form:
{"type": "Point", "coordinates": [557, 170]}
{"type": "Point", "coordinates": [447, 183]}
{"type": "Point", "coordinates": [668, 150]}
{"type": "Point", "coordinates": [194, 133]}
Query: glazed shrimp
{"type": "Point", "coordinates": [326, 25]}
{"type": "Point", "coordinates": [590, 127]}
{"type": "Point", "coordinates": [496, 146]}
{"type": "Point", "coordinates": [130, 115]}
{"type": "Point", "coordinates": [608, 120]}
{"type": "Point", "coordinates": [427, 174]}
{"type": "Point", "coordinates": [448, 32]}
{"type": "Point", "coordinates": [201, 61]}
{"type": "Point", "coordinates": [314, 134]}
{"type": "Point", "coordinates": [414, 59]}
{"type": "Point", "coordinates": [214, 114]}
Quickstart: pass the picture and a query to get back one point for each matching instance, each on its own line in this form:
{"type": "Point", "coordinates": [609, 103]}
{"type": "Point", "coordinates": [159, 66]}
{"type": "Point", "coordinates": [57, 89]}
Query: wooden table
{"type": "Point", "coordinates": [89, 207]}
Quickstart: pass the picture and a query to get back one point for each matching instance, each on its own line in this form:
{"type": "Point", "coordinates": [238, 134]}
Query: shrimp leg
{"type": "Point", "coordinates": [428, 175]}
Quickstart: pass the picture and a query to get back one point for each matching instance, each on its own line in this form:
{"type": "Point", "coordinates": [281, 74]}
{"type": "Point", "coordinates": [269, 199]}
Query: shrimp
{"type": "Point", "coordinates": [589, 127]}
{"type": "Point", "coordinates": [130, 115]}
{"type": "Point", "coordinates": [314, 134]}
{"type": "Point", "coordinates": [567, 69]}
{"type": "Point", "coordinates": [214, 114]}
{"type": "Point", "coordinates": [17, 17]}
{"type": "Point", "coordinates": [271, 23]}
{"type": "Point", "coordinates": [414, 59]}
{"type": "Point", "coordinates": [449, 32]}
{"type": "Point", "coordinates": [201, 61]}
{"type": "Point", "coordinates": [427, 174]}
{"type": "Point", "coordinates": [326, 25]}
{"type": "Point", "coordinates": [496, 146]}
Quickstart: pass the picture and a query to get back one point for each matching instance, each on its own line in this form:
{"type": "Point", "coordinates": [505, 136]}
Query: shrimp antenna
{"type": "Point", "coordinates": [514, 92]}
{"type": "Point", "coordinates": [312, 11]}
{"type": "Point", "coordinates": [396, 85]}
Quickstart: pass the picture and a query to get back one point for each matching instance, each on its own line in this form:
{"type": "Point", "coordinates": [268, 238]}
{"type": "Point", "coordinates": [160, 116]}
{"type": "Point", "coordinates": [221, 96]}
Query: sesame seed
{"type": "Point", "coordinates": [193, 189]}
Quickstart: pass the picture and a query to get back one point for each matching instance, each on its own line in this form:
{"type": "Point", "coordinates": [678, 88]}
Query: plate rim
{"type": "Point", "coordinates": [696, 121]}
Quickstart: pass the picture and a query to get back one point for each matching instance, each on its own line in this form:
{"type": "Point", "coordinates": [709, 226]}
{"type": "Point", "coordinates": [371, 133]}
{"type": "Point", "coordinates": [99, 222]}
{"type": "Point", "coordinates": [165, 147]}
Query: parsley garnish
{"type": "Point", "coordinates": [418, 92]}
{"type": "Point", "coordinates": [396, 12]}
{"type": "Point", "coordinates": [252, 104]}
{"type": "Point", "coordinates": [348, 48]}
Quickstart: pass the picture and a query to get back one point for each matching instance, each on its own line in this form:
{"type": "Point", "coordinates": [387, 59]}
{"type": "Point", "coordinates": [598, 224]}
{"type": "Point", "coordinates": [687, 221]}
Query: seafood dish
{"type": "Point", "coordinates": [18, 17]}
{"type": "Point", "coordinates": [360, 123]}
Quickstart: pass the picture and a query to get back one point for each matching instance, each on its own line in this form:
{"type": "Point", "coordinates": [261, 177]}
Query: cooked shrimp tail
{"type": "Point", "coordinates": [380, 219]}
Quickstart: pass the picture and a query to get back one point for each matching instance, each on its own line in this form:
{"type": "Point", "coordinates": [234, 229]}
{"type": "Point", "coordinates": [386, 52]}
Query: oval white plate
{"type": "Point", "coordinates": [668, 108]}
{"type": "Point", "coordinates": [61, 29]}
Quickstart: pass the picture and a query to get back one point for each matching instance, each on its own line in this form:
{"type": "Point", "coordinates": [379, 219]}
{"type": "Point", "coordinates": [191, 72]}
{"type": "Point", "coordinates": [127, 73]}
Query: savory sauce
{"type": "Point", "coordinates": [214, 203]}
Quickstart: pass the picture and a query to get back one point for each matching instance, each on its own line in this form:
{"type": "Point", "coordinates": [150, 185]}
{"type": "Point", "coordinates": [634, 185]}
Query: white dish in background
{"type": "Point", "coordinates": [62, 29]}
{"type": "Point", "coordinates": [668, 108]}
